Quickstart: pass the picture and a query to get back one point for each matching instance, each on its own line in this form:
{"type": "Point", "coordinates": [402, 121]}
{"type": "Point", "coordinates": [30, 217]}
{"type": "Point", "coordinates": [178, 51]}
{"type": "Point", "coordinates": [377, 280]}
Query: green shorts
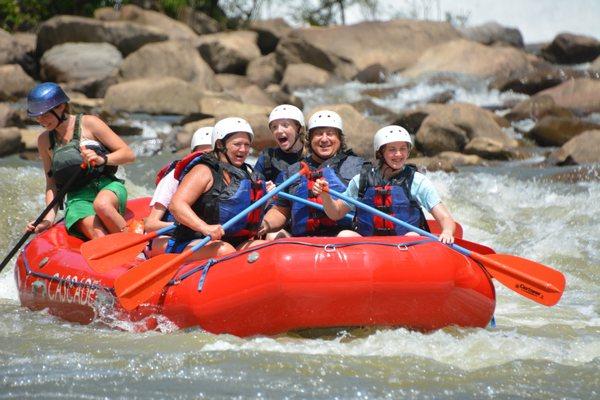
{"type": "Point", "coordinates": [80, 202]}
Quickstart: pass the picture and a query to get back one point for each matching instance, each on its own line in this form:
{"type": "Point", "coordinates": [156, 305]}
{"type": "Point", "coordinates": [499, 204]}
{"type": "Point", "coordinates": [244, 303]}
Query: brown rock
{"type": "Point", "coordinates": [252, 94]}
{"type": "Point", "coordinates": [229, 52]}
{"type": "Point", "coordinates": [581, 149]}
{"type": "Point", "coordinates": [175, 30]}
{"type": "Point", "coordinates": [9, 117]}
{"type": "Point", "coordinates": [265, 70]}
{"type": "Point", "coordinates": [537, 107]}
{"type": "Point", "coordinates": [492, 33]}
{"type": "Point", "coordinates": [170, 58]}
{"type": "Point", "coordinates": [232, 81]}
{"type": "Point", "coordinates": [452, 127]}
{"type": "Point", "coordinates": [471, 58]}
{"type": "Point", "coordinates": [29, 138]}
{"type": "Point", "coordinates": [14, 82]}
{"type": "Point", "coordinates": [433, 164]}
{"type": "Point", "coordinates": [269, 32]}
{"type": "Point", "coordinates": [375, 73]}
{"type": "Point", "coordinates": [279, 96]}
{"type": "Point", "coordinates": [580, 95]}
{"type": "Point", "coordinates": [556, 131]}
{"type": "Point", "coordinates": [299, 76]}
{"type": "Point", "coordinates": [154, 96]}
{"type": "Point", "coordinates": [567, 48]}
{"type": "Point", "coordinates": [487, 148]}
{"type": "Point", "coordinates": [125, 36]}
{"type": "Point", "coordinates": [10, 141]}
{"type": "Point", "coordinates": [221, 107]}
{"type": "Point", "coordinates": [200, 23]}
{"type": "Point", "coordinates": [293, 49]}
{"type": "Point", "coordinates": [395, 44]}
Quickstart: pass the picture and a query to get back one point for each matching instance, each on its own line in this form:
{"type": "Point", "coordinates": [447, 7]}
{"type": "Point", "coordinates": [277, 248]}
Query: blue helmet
{"type": "Point", "coordinates": [43, 98]}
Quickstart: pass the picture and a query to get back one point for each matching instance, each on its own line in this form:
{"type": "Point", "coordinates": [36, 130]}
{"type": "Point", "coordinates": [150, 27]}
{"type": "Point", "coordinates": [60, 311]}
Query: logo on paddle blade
{"type": "Point", "coordinates": [529, 290]}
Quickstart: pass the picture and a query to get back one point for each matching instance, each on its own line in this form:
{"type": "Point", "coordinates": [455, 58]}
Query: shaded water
{"type": "Point", "coordinates": [533, 352]}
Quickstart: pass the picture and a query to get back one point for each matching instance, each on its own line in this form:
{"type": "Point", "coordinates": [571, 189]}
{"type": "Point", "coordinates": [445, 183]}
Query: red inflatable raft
{"type": "Point", "coordinates": [285, 285]}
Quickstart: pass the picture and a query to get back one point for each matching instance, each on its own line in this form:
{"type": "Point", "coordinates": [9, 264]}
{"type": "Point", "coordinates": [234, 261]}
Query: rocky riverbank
{"type": "Point", "coordinates": [141, 61]}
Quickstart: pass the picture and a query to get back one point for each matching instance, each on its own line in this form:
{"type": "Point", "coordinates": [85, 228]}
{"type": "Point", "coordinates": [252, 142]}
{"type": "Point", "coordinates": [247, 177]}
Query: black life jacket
{"type": "Point", "coordinates": [276, 161]}
{"type": "Point", "coordinates": [222, 202]}
{"type": "Point", "coordinates": [392, 197]}
{"type": "Point", "coordinates": [66, 160]}
{"type": "Point", "coordinates": [338, 171]}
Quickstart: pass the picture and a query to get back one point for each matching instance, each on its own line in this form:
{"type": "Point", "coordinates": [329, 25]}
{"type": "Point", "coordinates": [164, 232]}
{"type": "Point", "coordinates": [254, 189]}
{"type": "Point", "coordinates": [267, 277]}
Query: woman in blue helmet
{"type": "Point", "coordinates": [95, 201]}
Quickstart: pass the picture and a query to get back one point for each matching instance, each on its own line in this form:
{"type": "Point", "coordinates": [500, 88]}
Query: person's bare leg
{"type": "Point", "coordinates": [348, 233]}
{"type": "Point", "coordinates": [278, 235]}
{"type": "Point", "coordinates": [106, 206]}
{"type": "Point", "coordinates": [213, 249]}
{"type": "Point", "coordinates": [91, 227]}
{"type": "Point", "coordinates": [251, 243]}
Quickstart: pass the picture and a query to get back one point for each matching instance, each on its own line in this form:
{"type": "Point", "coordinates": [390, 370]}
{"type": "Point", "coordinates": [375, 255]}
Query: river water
{"type": "Point", "coordinates": [532, 352]}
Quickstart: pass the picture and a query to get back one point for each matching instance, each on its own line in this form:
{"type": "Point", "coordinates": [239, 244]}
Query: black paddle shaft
{"type": "Point", "coordinates": [58, 198]}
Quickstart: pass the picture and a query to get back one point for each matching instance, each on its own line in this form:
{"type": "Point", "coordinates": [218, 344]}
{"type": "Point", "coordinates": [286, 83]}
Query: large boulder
{"type": "Point", "coordinates": [581, 149]}
{"type": "Point", "coordinates": [175, 30]}
{"type": "Point", "coordinates": [11, 117]}
{"type": "Point", "coordinates": [556, 131]}
{"type": "Point", "coordinates": [18, 49]}
{"type": "Point", "coordinates": [294, 49]}
{"type": "Point", "coordinates": [595, 66]}
{"type": "Point", "coordinates": [452, 127]}
{"type": "Point", "coordinates": [229, 51]}
{"type": "Point", "coordinates": [567, 48]}
{"type": "Point", "coordinates": [269, 32]}
{"type": "Point", "coordinates": [125, 36]}
{"type": "Point", "coordinates": [253, 94]}
{"type": "Point", "coordinates": [582, 95]}
{"type": "Point", "coordinates": [232, 81]}
{"type": "Point", "coordinates": [544, 76]}
{"type": "Point", "coordinates": [154, 96]}
{"type": "Point", "coordinates": [265, 70]}
{"type": "Point", "coordinates": [395, 44]}
{"type": "Point", "coordinates": [177, 59]}
{"type": "Point", "coordinates": [537, 107]}
{"type": "Point", "coordinates": [492, 33]}
{"type": "Point", "coordinates": [471, 58]}
{"type": "Point", "coordinates": [358, 129]}
{"type": "Point", "coordinates": [10, 141]}
{"type": "Point", "coordinates": [221, 106]}
{"type": "Point", "coordinates": [79, 61]}
{"type": "Point", "coordinates": [14, 82]}
{"type": "Point", "coordinates": [200, 23]}
{"type": "Point", "coordinates": [297, 76]}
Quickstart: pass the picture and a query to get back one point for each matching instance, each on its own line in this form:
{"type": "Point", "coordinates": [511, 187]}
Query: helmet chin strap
{"type": "Point", "coordinates": [60, 119]}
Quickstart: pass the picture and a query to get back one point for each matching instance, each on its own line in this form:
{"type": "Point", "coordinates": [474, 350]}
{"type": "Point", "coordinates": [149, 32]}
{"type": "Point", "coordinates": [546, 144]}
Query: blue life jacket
{"type": "Point", "coordinates": [338, 171]}
{"type": "Point", "coordinates": [222, 202]}
{"type": "Point", "coordinates": [392, 197]}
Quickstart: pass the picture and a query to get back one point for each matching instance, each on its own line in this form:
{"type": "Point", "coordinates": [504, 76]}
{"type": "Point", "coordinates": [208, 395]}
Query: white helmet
{"type": "Point", "coordinates": [230, 125]}
{"type": "Point", "coordinates": [287, 111]}
{"type": "Point", "coordinates": [325, 118]}
{"type": "Point", "coordinates": [202, 137]}
{"type": "Point", "coordinates": [389, 134]}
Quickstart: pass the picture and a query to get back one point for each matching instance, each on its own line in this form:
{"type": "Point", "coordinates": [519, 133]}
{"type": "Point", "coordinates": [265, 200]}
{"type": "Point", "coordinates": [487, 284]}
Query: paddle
{"type": "Point", "coordinates": [58, 198]}
{"type": "Point", "coordinates": [530, 279]}
{"type": "Point", "coordinates": [141, 282]}
{"type": "Point", "coordinates": [102, 254]}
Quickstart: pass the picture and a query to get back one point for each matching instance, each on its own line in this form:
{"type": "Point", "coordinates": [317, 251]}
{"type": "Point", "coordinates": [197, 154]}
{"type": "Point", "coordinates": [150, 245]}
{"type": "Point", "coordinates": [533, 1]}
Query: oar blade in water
{"type": "Point", "coordinates": [130, 299]}
{"type": "Point", "coordinates": [103, 254]}
{"type": "Point", "coordinates": [548, 293]}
